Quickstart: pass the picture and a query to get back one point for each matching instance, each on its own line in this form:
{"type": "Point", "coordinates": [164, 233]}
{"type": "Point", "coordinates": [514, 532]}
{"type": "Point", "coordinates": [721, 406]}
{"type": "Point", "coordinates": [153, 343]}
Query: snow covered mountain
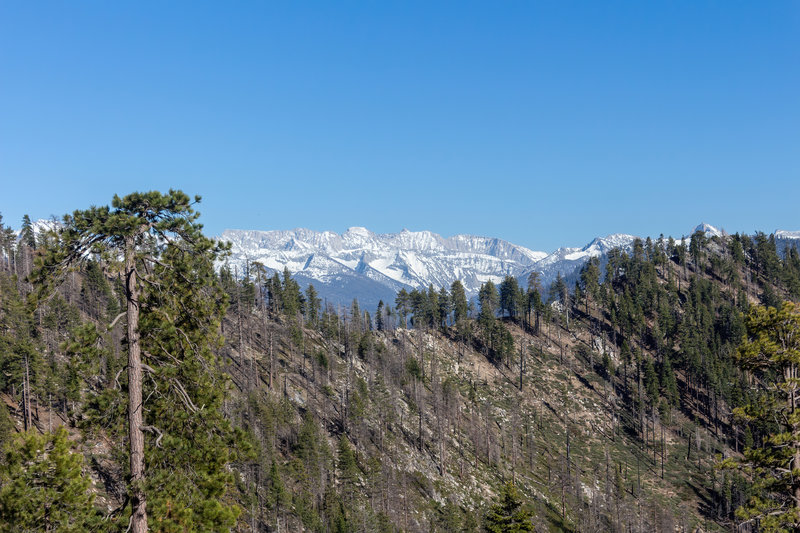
{"type": "Point", "coordinates": [368, 266]}
{"type": "Point", "coordinates": [568, 261]}
{"type": "Point", "coordinates": [709, 231]}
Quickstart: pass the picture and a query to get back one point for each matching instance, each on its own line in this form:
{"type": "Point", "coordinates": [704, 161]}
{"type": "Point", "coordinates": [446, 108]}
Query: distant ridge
{"type": "Point", "coordinates": [370, 266]}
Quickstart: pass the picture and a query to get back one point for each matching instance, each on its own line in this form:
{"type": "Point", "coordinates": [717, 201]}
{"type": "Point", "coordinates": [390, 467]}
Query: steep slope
{"type": "Point", "coordinates": [440, 418]}
{"type": "Point", "coordinates": [607, 412]}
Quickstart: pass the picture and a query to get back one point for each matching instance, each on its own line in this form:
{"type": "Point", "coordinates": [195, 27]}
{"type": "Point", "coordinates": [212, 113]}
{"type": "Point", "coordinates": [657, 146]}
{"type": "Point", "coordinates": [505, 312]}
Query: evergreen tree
{"type": "Point", "coordinates": [669, 383]}
{"type": "Point", "coordinates": [535, 305]}
{"type": "Point", "coordinates": [275, 294]}
{"type": "Point", "coordinates": [174, 306]}
{"type": "Point", "coordinates": [418, 305]}
{"type": "Point", "coordinates": [355, 314]}
{"type": "Point", "coordinates": [771, 352]}
{"type": "Point", "coordinates": [696, 246]}
{"type": "Point", "coordinates": [278, 497]}
{"type": "Point", "coordinates": [651, 381]}
{"type": "Point", "coordinates": [26, 234]}
{"type": "Point", "coordinates": [379, 316]}
{"type": "Point", "coordinates": [313, 304]}
{"type": "Point", "coordinates": [510, 296]}
{"type": "Point", "coordinates": [508, 514]}
{"type": "Point", "coordinates": [432, 308]}
{"type": "Point", "coordinates": [458, 298]}
{"type": "Point", "coordinates": [487, 318]}
{"type": "Point", "coordinates": [445, 306]}
{"type": "Point", "coordinates": [292, 297]}
{"type": "Point", "coordinates": [590, 277]}
{"type": "Point", "coordinates": [20, 358]}
{"type": "Point", "coordinates": [402, 303]}
{"type": "Point", "coordinates": [43, 487]}
{"type": "Point", "coordinates": [348, 471]}
{"type": "Point", "coordinates": [190, 482]}
{"type": "Point", "coordinates": [489, 300]}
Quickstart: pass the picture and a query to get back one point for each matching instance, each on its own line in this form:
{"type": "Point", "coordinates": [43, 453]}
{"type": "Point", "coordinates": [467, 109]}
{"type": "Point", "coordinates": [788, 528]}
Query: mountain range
{"type": "Point", "coordinates": [371, 267]}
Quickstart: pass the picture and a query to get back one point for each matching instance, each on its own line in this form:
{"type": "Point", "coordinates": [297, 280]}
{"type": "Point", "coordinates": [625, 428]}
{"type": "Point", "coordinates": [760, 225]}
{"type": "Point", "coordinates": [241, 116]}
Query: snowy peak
{"type": "Point", "coordinates": [43, 225]}
{"type": "Point", "coordinates": [602, 245]}
{"type": "Point", "coordinates": [568, 261]}
{"type": "Point", "coordinates": [708, 230]}
{"type": "Point", "coordinates": [597, 247]}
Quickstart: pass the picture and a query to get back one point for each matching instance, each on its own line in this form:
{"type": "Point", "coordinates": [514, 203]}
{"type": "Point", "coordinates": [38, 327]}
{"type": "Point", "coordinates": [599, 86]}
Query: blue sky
{"type": "Point", "coordinates": [543, 123]}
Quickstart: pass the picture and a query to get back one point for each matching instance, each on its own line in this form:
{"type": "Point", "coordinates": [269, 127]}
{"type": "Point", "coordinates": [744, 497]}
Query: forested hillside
{"type": "Point", "coordinates": [626, 402]}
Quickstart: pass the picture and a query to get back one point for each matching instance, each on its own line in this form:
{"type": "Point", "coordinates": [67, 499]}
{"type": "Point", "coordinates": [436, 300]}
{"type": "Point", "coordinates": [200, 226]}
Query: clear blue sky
{"type": "Point", "coordinates": [544, 123]}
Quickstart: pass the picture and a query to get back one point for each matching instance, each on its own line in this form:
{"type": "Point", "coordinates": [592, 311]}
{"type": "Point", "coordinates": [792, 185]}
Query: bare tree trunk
{"type": "Point", "coordinates": [26, 396]}
{"type": "Point", "coordinates": [271, 360]}
{"type": "Point", "coordinates": [138, 498]}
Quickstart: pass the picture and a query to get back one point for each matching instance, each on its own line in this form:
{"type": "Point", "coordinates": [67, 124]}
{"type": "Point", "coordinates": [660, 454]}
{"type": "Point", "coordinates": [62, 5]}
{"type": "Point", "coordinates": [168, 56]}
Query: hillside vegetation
{"type": "Point", "coordinates": [605, 406]}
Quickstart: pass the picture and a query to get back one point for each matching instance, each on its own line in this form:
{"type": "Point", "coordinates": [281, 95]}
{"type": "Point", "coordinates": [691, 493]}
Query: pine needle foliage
{"type": "Point", "coordinates": [771, 355]}
{"type": "Point", "coordinates": [180, 445]}
{"type": "Point", "coordinates": [509, 514]}
{"type": "Point", "coordinates": [43, 486]}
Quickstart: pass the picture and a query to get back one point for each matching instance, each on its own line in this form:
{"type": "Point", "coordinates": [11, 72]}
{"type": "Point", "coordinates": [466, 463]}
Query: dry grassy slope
{"type": "Point", "coordinates": [488, 430]}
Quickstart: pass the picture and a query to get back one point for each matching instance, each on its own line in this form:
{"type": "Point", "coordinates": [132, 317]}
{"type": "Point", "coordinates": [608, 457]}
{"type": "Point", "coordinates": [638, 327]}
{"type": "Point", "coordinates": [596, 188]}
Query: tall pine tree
{"type": "Point", "coordinates": [173, 310]}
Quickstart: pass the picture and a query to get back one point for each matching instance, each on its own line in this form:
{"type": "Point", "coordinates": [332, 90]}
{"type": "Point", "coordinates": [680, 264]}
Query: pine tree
{"type": "Point", "coordinates": [590, 277]}
{"type": "Point", "coordinates": [174, 307]}
{"type": "Point", "coordinates": [20, 358]}
{"type": "Point", "coordinates": [43, 486]}
{"type": "Point", "coordinates": [432, 308]}
{"type": "Point", "coordinates": [669, 383]}
{"type": "Point", "coordinates": [190, 480]}
{"type": "Point", "coordinates": [458, 298]}
{"type": "Point", "coordinates": [508, 514]}
{"type": "Point", "coordinates": [26, 234]}
{"type": "Point", "coordinates": [312, 305]}
{"type": "Point", "coordinates": [510, 296]}
{"type": "Point", "coordinates": [402, 303]}
{"type": "Point", "coordinates": [650, 381]}
{"type": "Point", "coordinates": [348, 471]}
{"type": "Point", "coordinates": [379, 316]}
{"type": "Point", "coordinates": [275, 294]}
{"type": "Point", "coordinates": [489, 300]}
{"type": "Point", "coordinates": [445, 306]}
{"type": "Point", "coordinates": [771, 354]}
{"type": "Point", "coordinates": [293, 301]}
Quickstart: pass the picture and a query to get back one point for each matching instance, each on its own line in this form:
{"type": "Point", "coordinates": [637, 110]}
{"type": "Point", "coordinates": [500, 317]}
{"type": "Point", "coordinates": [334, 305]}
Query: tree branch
{"type": "Point", "coordinates": [154, 429]}
{"type": "Point", "coordinates": [184, 395]}
{"type": "Point", "coordinates": [116, 319]}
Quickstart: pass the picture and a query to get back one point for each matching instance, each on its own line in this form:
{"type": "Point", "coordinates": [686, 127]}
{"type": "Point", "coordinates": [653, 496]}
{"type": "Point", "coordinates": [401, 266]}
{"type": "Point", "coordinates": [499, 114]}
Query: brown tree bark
{"type": "Point", "coordinates": [138, 498]}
